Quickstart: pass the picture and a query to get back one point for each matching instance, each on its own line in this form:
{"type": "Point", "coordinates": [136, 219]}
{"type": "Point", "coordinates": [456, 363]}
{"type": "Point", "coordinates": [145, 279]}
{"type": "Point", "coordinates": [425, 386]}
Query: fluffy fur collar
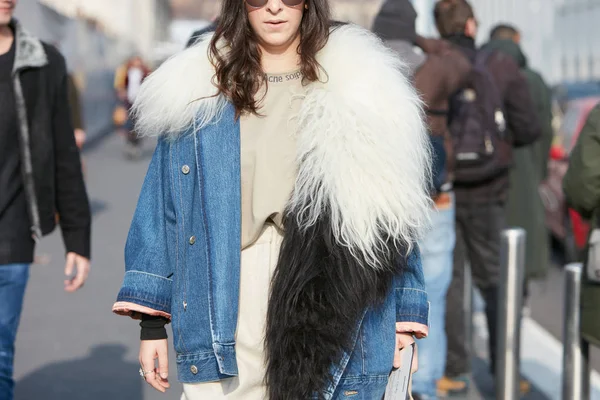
{"type": "Point", "coordinates": [363, 151]}
{"type": "Point", "coordinates": [30, 52]}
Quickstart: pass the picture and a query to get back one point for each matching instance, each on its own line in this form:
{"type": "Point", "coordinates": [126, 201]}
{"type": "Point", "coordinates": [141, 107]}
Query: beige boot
{"type": "Point", "coordinates": [448, 386]}
{"type": "Point", "coordinates": [524, 387]}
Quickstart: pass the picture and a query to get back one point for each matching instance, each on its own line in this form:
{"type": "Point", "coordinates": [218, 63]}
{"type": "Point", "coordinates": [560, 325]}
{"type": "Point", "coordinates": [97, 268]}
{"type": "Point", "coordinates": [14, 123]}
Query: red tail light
{"type": "Point", "coordinates": [581, 229]}
{"type": "Point", "coordinates": [557, 153]}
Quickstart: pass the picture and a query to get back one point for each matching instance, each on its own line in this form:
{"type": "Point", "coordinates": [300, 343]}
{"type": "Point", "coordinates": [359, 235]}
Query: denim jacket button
{"type": "Point", "coordinates": [194, 369]}
{"type": "Point", "coordinates": [193, 240]}
{"type": "Point", "coordinates": [185, 169]}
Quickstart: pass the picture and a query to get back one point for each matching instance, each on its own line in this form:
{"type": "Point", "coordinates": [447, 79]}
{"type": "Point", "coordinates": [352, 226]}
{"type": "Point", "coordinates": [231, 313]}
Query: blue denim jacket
{"type": "Point", "coordinates": [183, 262]}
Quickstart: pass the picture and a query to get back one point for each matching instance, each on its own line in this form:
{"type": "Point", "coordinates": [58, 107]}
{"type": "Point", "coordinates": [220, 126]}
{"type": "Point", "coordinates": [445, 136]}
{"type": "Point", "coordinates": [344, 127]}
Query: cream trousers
{"type": "Point", "coordinates": [257, 267]}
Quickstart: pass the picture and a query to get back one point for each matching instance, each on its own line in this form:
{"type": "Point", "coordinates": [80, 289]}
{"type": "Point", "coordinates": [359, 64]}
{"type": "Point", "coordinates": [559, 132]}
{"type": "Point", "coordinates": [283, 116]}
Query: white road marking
{"type": "Point", "coordinates": [541, 357]}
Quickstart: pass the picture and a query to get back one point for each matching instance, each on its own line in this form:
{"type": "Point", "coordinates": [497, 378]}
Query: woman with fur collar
{"type": "Point", "coordinates": [302, 144]}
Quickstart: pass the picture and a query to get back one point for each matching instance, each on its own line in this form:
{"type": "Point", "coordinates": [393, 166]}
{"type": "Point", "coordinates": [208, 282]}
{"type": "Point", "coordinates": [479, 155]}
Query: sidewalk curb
{"type": "Point", "coordinates": [541, 357]}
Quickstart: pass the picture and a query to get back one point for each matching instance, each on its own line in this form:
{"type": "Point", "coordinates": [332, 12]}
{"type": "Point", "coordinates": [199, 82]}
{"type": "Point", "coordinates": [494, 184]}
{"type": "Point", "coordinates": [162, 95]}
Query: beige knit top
{"type": "Point", "coordinates": [268, 155]}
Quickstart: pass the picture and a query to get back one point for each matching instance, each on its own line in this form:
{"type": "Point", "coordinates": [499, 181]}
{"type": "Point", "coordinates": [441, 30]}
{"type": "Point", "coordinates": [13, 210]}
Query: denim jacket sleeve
{"type": "Point", "coordinates": [149, 267]}
{"type": "Point", "coordinates": [412, 307]}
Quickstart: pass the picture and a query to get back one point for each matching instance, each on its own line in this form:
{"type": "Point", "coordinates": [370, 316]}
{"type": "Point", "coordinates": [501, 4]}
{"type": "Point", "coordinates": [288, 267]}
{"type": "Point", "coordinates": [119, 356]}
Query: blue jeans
{"type": "Point", "coordinates": [437, 254]}
{"type": "Point", "coordinates": [13, 280]}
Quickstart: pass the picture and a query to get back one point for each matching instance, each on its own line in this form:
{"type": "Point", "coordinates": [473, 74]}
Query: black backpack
{"type": "Point", "coordinates": [482, 146]}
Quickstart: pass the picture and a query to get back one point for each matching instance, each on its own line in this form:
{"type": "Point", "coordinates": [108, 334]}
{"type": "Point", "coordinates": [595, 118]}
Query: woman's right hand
{"type": "Point", "coordinates": [151, 350]}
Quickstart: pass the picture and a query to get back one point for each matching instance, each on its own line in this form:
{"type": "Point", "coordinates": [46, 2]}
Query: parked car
{"type": "Point", "coordinates": [565, 92]}
{"type": "Point", "coordinates": [565, 225]}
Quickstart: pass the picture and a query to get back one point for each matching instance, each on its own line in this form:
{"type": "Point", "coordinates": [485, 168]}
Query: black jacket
{"type": "Point", "coordinates": [49, 156]}
{"type": "Point", "coordinates": [196, 35]}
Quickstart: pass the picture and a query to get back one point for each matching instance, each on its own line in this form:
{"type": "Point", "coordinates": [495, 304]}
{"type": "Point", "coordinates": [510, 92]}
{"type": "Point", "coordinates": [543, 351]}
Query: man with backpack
{"type": "Point", "coordinates": [436, 75]}
{"type": "Point", "coordinates": [490, 116]}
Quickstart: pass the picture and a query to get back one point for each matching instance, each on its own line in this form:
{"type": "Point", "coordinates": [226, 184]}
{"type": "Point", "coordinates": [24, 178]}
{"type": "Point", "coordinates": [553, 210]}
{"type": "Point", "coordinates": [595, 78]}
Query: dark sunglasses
{"type": "Point", "coordinates": [262, 3]}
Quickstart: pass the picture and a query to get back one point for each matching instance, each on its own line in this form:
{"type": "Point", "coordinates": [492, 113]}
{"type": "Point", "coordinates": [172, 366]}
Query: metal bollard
{"type": "Point", "coordinates": [468, 305]}
{"type": "Point", "coordinates": [510, 304]}
{"type": "Point", "coordinates": [576, 373]}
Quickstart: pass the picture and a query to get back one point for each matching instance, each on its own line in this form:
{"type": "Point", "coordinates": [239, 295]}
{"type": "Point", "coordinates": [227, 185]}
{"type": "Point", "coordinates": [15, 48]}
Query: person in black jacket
{"type": "Point", "coordinates": [481, 207]}
{"type": "Point", "coordinates": [40, 174]}
{"type": "Point", "coordinates": [197, 34]}
{"type": "Point", "coordinates": [76, 111]}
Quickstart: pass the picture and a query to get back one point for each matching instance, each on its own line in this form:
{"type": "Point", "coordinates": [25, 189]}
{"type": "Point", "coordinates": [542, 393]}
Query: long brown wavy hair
{"type": "Point", "coordinates": [239, 74]}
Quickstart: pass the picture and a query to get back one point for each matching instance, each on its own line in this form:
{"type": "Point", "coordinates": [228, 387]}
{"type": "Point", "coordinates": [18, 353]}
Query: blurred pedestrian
{"type": "Point", "coordinates": [263, 148]}
{"type": "Point", "coordinates": [582, 189]}
{"type": "Point", "coordinates": [128, 81]}
{"type": "Point", "coordinates": [491, 115]}
{"type": "Point", "coordinates": [437, 75]}
{"type": "Point", "coordinates": [75, 105]}
{"type": "Point", "coordinates": [525, 208]}
{"type": "Point", "coordinates": [77, 116]}
{"type": "Point", "coordinates": [76, 113]}
{"type": "Point", "coordinates": [40, 174]}
{"type": "Point", "coordinates": [198, 34]}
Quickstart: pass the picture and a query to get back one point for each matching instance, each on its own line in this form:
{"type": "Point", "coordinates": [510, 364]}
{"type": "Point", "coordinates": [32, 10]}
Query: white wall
{"type": "Point", "coordinates": [533, 18]}
{"type": "Point", "coordinates": [360, 12]}
{"type": "Point", "coordinates": [41, 21]}
{"type": "Point", "coordinates": [560, 37]}
{"type": "Point", "coordinates": [82, 47]}
{"type": "Point", "coordinates": [134, 24]}
{"type": "Point", "coordinates": [577, 55]}
{"type": "Point", "coordinates": [425, 20]}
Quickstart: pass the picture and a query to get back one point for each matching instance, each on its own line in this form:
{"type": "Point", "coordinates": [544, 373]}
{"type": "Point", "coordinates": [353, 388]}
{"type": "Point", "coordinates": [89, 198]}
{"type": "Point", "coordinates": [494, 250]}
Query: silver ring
{"type": "Point", "coordinates": [144, 373]}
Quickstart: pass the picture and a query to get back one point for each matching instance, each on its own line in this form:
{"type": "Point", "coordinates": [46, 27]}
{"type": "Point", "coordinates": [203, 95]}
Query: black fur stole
{"type": "Point", "coordinates": [318, 294]}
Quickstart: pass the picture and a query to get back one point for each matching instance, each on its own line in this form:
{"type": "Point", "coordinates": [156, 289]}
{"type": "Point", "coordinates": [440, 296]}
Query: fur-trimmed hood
{"type": "Point", "coordinates": [363, 149]}
{"type": "Point", "coordinates": [30, 52]}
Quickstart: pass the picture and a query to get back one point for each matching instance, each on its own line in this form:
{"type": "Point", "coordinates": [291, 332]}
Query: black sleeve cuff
{"type": "Point", "coordinates": [78, 241]}
{"type": "Point", "coordinates": [153, 328]}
